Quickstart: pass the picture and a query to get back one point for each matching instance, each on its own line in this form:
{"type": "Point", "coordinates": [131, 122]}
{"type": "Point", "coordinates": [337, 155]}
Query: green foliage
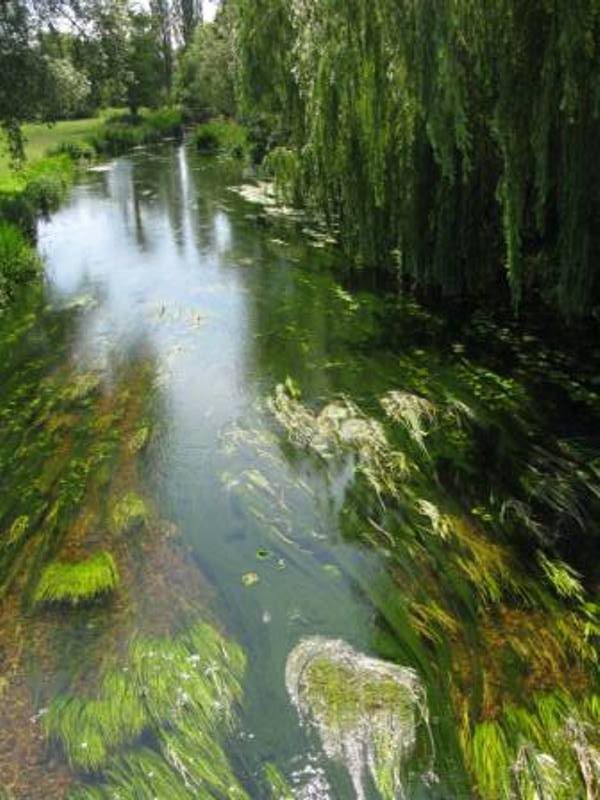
{"type": "Point", "coordinates": [145, 78]}
{"type": "Point", "coordinates": [121, 133]}
{"type": "Point", "coordinates": [47, 180]}
{"type": "Point", "coordinates": [19, 262]}
{"type": "Point", "coordinates": [205, 74]}
{"type": "Point", "coordinates": [34, 190]}
{"type": "Point", "coordinates": [222, 136]}
{"type": "Point", "coordinates": [454, 135]}
{"type": "Point", "coordinates": [77, 582]}
{"type": "Point", "coordinates": [76, 151]}
{"type": "Point", "coordinates": [70, 86]}
{"type": "Point", "coordinates": [283, 165]}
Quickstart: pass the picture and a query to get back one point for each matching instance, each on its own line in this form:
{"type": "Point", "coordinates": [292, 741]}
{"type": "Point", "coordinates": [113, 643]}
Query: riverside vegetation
{"type": "Point", "coordinates": [270, 527]}
{"type": "Point", "coordinates": [402, 571]}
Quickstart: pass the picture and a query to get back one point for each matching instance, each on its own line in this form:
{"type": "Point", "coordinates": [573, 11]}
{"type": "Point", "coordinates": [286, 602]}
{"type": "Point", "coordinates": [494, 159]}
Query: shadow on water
{"type": "Point", "coordinates": [213, 450]}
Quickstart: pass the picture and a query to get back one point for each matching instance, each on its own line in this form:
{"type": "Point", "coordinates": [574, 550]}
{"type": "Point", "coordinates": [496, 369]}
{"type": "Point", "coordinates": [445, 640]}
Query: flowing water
{"type": "Point", "coordinates": [272, 459]}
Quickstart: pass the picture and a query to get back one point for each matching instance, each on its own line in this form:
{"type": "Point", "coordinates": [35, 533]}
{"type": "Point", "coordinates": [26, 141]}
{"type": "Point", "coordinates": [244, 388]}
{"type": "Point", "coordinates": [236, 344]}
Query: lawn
{"type": "Point", "coordinates": [41, 137]}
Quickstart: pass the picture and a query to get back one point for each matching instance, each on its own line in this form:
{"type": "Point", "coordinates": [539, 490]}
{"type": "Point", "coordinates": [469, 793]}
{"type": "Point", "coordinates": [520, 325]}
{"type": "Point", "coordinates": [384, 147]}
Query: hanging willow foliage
{"type": "Point", "coordinates": [456, 134]}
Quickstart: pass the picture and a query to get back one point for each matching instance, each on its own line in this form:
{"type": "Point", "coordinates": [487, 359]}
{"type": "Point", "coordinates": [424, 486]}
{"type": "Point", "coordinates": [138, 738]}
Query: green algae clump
{"type": "Point", "coordinates": [129, 511]}
{"type": "Point", "coordinates": [77, 582]}
{"type": "Point", "coordinates": [366, 711]}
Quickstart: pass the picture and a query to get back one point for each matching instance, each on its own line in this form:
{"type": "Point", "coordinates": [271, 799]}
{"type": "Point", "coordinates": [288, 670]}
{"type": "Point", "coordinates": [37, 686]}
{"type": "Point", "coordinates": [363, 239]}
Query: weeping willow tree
{"type": "Point", "coordinates": [450, 139]}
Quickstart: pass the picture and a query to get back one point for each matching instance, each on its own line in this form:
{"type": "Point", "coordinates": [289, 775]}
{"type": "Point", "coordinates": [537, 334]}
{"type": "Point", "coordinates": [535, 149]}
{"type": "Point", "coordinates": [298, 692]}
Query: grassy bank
{"type": "Point", "coordinates": [41, 138]}
{"type": "Point", "coordinates": [53, 154]}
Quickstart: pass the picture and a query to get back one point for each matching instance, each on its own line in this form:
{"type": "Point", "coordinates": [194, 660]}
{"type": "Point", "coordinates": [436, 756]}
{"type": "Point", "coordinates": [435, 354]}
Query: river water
{"type": "Point", "coordinates": [439, 515]}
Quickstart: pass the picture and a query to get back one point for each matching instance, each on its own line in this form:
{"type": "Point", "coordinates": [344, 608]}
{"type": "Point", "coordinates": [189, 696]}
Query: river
{"type": "Point", "coordinates": [269, 449]}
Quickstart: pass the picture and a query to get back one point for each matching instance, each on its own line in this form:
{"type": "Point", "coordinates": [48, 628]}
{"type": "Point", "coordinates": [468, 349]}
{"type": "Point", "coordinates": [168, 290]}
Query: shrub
{"type": "Point", "coordinates": [19, 261]}
{"type": "Point", "coordinates": [124, 131]}
{"type": "Point", "coordinates": [77, 151]}
{"type": "Point", "coordinates": [47, 180]}
{"type": "Point", "coordinates": [222, 136]}
{"type": "Point", "coordinates": [265, 132]}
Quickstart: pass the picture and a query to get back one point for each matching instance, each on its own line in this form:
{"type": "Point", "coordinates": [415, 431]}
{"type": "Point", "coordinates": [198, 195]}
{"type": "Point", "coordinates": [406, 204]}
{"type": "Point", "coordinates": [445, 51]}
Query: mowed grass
{"type": "Point", "coordinates": [40, 137]}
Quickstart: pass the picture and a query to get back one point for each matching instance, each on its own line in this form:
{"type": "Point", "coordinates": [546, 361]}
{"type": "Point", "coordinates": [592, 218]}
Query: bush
{"type": "Point", "coordinates": [19, 262]}
{"type": "Point", "coordinates": [46, 182]}
{"type": "Point", "coordinates": [222, 136]}
{"type": "Point", "coordinates": [77, 151]}
{"type": "Point", "coordinates": [265, 132]}
{"type": "Point", "coordinates": [124, 131]}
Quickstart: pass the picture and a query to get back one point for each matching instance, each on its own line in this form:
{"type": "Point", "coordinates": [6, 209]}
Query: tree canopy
{"type": "Point", "coordinates": [451, 140]}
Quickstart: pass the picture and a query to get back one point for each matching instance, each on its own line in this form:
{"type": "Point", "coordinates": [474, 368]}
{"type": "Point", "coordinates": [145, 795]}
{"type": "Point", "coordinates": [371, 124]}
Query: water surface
{"type": "Point", "coordinates": [173, 308]}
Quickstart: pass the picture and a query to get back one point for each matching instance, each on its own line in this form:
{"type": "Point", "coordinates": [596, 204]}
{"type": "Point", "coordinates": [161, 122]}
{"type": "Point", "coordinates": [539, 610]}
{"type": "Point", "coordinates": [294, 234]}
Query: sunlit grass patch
{"type": "Point", "coordinates": [77, 582]}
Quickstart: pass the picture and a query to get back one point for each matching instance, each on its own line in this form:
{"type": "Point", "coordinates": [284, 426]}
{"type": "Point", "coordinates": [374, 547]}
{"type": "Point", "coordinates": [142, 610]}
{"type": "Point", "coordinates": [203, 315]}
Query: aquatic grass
{"type": "Point", "coordinates": [89, 730]}
{"type": "Point", "coordinates": [342, 428]}
{"type": "Point", "coordinates": [563, 578]}
{"type": "Point", "coordinates": [180, 690]}
{"type": "Point", "coordinates": [139, 439]}
{"type": "Point", "coordinates": [417, 414]}
{"type": "Point", "coordinates": [491, 761]}
{"type": "Point", "coordinates": [128, 512]}
{"type": "Point", "coordinates": [198, 757]}
{"type": "Point", "coordinates": [277, 786]}
{"type": "Point", "coordinates": [77, 582]}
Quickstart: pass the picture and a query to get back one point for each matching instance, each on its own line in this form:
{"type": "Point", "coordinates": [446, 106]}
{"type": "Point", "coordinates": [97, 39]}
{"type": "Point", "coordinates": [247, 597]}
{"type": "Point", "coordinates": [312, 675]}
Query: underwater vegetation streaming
{"type": "Point", "coordinates": [265, 534]}
{"type": "Point", "coordinates": [522, 676]}
{"type": "Point", "coordinates": [182, 690]}
{"type": "Point", "coordinates": [76, 582]}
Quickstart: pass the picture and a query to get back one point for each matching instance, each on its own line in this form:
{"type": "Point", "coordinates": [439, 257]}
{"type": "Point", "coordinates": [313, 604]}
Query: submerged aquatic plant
{"type": "Point", "coordinates": [277, 786]}
{"type": "Point", "coordinates": [77, 582]}
{"type": "Point", "coordinates": [341, 427]}
{"type": "Point", "coordinates": [417, 414]}
{"type": "Point", "coordinates": [366, 711]}
{"type": "Point", "coordinates": [128, 512]}
{"type": "Point", "coordinates": [181, 691]}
